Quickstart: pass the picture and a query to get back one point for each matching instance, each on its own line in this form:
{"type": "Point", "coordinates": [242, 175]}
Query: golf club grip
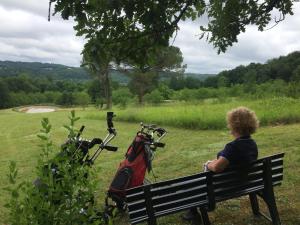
{"type": "Point", "coordinates": [111, 148]}
{"type": "Point", "coordinates": [109, 118]}
{"type": "Point", "coordinates": [159, 145]}
{"type": "Point", "coordinates": [94, 142]}
{"type": "Point", "coordinates": [80, 131]}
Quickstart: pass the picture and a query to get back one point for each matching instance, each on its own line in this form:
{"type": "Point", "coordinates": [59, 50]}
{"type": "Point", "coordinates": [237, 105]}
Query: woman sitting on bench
{"type": "Point", "coordinates": [242, 122]}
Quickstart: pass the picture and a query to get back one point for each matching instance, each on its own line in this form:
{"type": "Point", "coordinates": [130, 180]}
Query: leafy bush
{"type": "Point", "coordinates": [63, 192]}
{"type": "Point", "coordinates": [165, 91]}
{"type": "Point", "coordinates": [121, 97]}
{"type": "Point", "coordinates": [67, 98]}
{"type": "Point", "coordinates": [82, 99]}
{"type": "Point", "coordinates": [154, 97]}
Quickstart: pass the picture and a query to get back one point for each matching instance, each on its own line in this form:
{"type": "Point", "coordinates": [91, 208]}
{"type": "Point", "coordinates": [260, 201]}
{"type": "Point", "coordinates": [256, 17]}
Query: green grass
{"type": "Point", "coordinates": [210, 115]}
{"type": "Point", "coordinates": [184, 154]}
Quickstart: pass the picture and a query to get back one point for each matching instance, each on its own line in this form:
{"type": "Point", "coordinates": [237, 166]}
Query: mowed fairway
{"type": "Point", "coordinates": [184, 154]}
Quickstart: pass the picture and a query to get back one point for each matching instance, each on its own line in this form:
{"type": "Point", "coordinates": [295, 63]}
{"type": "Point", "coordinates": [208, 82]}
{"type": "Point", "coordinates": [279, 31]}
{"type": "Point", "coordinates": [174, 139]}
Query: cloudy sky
{"type": "Point", "coordinates": [26, 35]}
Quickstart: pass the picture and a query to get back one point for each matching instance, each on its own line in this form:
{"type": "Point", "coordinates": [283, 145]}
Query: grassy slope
{"type": "Point", "coordinates": [184, 154]}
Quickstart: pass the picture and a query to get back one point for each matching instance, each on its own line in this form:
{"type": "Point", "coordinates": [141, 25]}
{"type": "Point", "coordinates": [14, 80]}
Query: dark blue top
{"type": "Point", "coordinates": [241, 151]}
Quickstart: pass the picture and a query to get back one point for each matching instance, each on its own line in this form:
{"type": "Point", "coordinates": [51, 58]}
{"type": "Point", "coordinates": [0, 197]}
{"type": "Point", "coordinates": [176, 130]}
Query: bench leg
{"type": "Point", "coordinates": [204, 216]}
{"type": "Point", "coordinates": [254, 204]}
{"type": "Point", "coordinates": [271, 203]}
{"type": "Point", "coordinates": [152, 222]}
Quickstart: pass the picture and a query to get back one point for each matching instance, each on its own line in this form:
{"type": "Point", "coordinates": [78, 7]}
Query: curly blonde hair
{"type": "Point", "coordinates": [242, 121]}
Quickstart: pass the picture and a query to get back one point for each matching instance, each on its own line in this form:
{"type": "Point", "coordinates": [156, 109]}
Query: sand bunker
{"type": "Point", "coordinates": [37, 109]}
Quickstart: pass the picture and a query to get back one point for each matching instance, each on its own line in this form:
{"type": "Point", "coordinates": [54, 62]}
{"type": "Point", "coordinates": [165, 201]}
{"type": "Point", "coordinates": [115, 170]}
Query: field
{"type": "Point", "coordinates": [210, 113]}
{"type": "Point", "coordinates": [185, 151]}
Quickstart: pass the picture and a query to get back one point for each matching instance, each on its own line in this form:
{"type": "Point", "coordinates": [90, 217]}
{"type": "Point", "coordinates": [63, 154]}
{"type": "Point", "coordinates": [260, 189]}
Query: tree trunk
{"type": "Point", "coordinates": [140, 99]}
{"type": "Point", "coordinates": [141, 95]}
{"type": "Point", "coordinates": [107, 89]}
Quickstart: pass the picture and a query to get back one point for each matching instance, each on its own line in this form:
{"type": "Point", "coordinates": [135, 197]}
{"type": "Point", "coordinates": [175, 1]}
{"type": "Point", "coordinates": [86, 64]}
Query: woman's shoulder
{"type": "Point", "coordinates": [248, 141]}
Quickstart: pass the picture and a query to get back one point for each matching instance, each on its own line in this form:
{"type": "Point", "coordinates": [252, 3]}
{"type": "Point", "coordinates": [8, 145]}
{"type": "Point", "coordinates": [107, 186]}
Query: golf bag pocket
{"type": "Point", "coordinates": [121, 181]}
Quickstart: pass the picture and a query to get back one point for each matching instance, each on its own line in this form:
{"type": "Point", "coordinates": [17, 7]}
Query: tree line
{"type": "Point", "coordinates": [25, 90]}
{"type": "Point", "coordinates": [285, 68]}
{"type": "Point", "coordinates": [277, 77]}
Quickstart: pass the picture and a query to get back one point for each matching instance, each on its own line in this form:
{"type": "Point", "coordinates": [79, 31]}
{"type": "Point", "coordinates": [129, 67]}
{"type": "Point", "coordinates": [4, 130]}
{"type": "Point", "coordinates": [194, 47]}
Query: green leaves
{"type": "Point", "coordinates": [130, 29]}
{"type": "Point", "coordinates": [70, 127]}
{"type": "Point", "coordinates": [62, 190]}
{"type": "Point", "coordinates": [44, 136]}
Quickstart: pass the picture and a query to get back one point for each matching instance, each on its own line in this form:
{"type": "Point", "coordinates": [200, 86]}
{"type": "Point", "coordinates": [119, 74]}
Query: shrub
{"type": "Point", "coordinates": [66, 98]}
{"type": "Point", "coordinates": [82, 99]}
{"type": "Point", "coordinates": [63, 192]}
{"type": "Point", "coordinates": [154, 97]}
{"type": "Point", "coordinates": [121, 97]}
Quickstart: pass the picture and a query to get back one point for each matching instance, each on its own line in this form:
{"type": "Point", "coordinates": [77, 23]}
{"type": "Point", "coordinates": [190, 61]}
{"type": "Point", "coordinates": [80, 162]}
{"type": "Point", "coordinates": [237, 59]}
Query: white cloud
{"type": "Point", "coordinates": [39, 7]}
{"type": "Point", "coordinates": [252, 46]}
{"type": "Point", "coordinates": [26, 35]}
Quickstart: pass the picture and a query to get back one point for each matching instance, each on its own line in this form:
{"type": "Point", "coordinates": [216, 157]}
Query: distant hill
{"type": "Point", "coordinates": [56, 71]}
{"type": "Point", "coordinates": [62, 72]}
{"type": "Point", "coordinates": [36, 69]}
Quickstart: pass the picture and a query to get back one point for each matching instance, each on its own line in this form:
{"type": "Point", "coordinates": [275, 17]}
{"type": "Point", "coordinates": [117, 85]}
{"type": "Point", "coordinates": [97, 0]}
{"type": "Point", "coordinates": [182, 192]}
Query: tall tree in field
{"type": "Point", "coordinates": [142, 83]}
{"type": "Point", "coordinates": [97, 59]}
{"type": "Point", "coordinates": [136, 26]}
{"type": "Point", "coordinates": [144, 78]}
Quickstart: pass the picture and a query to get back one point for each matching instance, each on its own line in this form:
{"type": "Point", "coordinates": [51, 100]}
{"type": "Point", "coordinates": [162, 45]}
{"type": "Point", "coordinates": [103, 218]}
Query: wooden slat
{"type": "Point", "coordinates": [180, 208]}
{"type": "Point", "coordinates": [137, 213]}
{"type": "Point", "coordinates": [238, 178]}
{"type": "Point", "coordinates": [171, 194]}
{"type": "Point", "coordinates": [198, 176]}
{"type": "Point", "coordinates": [183, 194]}
{"type": "Point", "coordinates": [177, 187]}
{"type": "Point", "coordinates": [135, 196]}
{"type": "Point", "coordinates": [245, 189]}
{"type": "Point", "coordinates": [272, 157]}
{"type": "Point", "coordinates": [135, 190]}
{"type": "Point", "coordinates": [139, 220]}
{"type": "Point", "coordinates": [139, 190]}
{"type": "Point", "coordinates": [198, 199]}
{"type": "Point", "coordinates": [259, 161]}
{"type": "Point", "coordinates": [238, 187]}
{"type": "Point", "coordinates": [254, 168]}
{"type": "Point", "coordinates": [134, 205]}
{"type": "Point", "coordinates": [239, 193]}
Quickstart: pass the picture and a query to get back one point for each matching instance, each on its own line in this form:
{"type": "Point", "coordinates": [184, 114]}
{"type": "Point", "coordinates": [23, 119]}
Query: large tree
{"type": "Point", "coordinates": [135, 27]}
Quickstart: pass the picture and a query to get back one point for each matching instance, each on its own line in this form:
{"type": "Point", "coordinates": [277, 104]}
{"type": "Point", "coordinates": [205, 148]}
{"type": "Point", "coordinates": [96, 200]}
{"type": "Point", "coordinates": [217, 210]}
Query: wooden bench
{"type": "Point", "coordinates": [204, 190]}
